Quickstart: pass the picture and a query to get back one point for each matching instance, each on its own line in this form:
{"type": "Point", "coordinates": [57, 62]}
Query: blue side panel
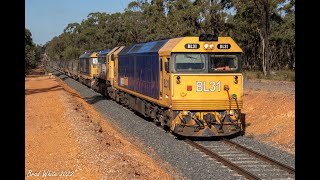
{"type": "Point", "coordinates": [142, 71]}
{"type": "Point", "coordinates": [140, 64]}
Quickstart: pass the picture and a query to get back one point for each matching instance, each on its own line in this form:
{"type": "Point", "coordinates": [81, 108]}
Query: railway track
{"type": "Point", "coordinates": [244, 161]}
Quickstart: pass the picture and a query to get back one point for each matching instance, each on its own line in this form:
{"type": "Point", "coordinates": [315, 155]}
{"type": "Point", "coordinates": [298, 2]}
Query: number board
{"type": "Point", "coordinates": [94, 60]}
{"type": "Point", "coordinates": [192, 46]}
{"type": "Point", "coordinates": [224, 46]}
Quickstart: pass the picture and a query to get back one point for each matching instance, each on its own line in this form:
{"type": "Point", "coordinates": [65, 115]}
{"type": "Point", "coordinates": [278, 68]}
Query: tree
{"type": "Point", "coordinates": [30, 51]}
{"type": "Point", "coordinates": [264, 29]}
{"type": "Point", "coordinates": [259, 18]}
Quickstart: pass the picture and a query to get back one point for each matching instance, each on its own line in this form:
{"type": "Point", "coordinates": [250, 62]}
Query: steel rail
{"type": "Point", "coordinates": [260, 156]}
{"type": "Point", "coordinates": [222, 160]}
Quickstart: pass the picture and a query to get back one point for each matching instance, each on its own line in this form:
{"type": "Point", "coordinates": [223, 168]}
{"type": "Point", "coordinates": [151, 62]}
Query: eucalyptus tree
{"type": "Point", "coordinates": [29, 50]}
{"type": "Point", "coordinates": [182, 18]}
{"type": "Point", "coordinates": [263, 28]}
{"type": "Point", "coordinates": [282, 38]}
{"type": "Point", "coordinates": [258, 16]}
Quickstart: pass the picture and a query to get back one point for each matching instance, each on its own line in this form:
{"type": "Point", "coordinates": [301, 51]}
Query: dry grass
{"type": "Point", "coordinates": [282, 75]}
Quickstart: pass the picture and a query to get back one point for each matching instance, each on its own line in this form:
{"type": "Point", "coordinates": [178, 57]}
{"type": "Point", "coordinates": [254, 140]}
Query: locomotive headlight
{"type": "Point", "coordinates": [206, 46]}
{"type": "Point", "coordinates": [178, 80]}
{"type": "Point", "coordinates": [211, 46]}
{"type": "Point", "coordinates": [236, 79]}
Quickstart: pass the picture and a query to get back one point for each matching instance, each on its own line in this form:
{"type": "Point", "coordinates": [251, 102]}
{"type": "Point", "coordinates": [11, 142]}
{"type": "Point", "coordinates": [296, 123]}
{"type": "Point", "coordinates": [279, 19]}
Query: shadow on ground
{"type": "Point", "coordinates": [34, 91]}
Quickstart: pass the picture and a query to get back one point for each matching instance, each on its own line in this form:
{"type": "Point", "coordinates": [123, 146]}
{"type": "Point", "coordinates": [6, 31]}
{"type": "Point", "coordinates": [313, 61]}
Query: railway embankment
{"type": "Point", "coordinates": [66, 138]}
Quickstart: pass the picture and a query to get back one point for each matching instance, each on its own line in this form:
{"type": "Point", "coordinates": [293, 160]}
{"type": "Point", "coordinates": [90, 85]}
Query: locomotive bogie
{"type": "Point", "coordinates": [206, 123]}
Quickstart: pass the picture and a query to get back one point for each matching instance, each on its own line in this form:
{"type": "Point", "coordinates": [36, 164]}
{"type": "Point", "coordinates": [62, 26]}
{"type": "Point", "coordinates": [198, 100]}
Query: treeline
{"type": "Point", "coordinates": [33, 53]}
{"type": "Point", "coordinates": [264, 29]}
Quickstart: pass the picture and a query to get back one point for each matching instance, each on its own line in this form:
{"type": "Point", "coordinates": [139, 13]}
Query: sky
{"type": "Point", "coordinates": [47, 18]}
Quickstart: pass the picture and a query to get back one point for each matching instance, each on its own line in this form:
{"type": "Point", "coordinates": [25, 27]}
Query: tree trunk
{"type": "Point", "coordinates": [263, 42]}
{"type": "Point", "coordinates": [267, 56]}
{"type": "Point", "coordinates": [294, 59]}
{"type": "Point", "coordinates": [267, 33]}
{"type": "Point", "coordinates": [264, 36]}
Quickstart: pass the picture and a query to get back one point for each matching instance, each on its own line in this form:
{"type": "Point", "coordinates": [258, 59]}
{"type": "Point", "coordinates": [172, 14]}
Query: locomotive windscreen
{"type": "Point", "coordinates": [206, 62]}
{"type": "Point", "coordinates": [224, 63]}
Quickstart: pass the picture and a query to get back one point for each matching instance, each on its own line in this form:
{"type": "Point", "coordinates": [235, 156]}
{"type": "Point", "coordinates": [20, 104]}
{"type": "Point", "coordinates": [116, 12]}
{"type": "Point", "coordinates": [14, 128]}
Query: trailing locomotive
{"type": "Point", "coordinates": [191, 85]}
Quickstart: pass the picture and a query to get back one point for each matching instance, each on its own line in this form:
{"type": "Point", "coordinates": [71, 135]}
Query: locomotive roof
{"type": "Point", "coordinates": [149, 47]}
{"type": "Point", "coordinates": [180, 46]}
{"type": "Point", "coordinates": [125, 50]}
{"type": "Point", "coordinates": [86, 55]}
{"type": "Point", "coordinates": [103, 52]}
{"type": "Point", "coordinates": [93, 54]}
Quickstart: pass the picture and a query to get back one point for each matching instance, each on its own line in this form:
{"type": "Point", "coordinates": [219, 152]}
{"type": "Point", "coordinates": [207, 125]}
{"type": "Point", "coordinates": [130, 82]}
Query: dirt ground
{"type": "Point", "coordinates": [66, 138]}
{"type": "Point", "coordinates": [270, 117]}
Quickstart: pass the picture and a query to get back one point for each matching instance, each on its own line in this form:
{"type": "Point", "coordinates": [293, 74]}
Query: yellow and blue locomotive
{"type": "Point", "coordinates": [191, 85]}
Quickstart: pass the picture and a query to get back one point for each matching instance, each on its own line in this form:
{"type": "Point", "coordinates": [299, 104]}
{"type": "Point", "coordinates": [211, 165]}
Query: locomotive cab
{"type": "Point", "coordinates": [206, 86]}
{"type": "Point", "coordinates": [88, 67]}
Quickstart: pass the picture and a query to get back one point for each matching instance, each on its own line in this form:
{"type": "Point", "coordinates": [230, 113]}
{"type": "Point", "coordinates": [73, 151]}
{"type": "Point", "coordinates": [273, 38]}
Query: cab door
{"type": "Point", "coordinates": [165, 80]}
{"type": "Point", "coordinates": [161, 78]}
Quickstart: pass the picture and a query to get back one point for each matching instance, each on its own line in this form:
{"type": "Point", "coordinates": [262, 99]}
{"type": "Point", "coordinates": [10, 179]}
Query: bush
{"type": "Point", "coordinates": [283, 75]}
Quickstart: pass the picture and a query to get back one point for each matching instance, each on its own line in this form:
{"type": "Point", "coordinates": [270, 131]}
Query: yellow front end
{"type": "Point", "coordinates": [89, 69]}
{"type": "Point", "coordinates": [206, 105]}
{"type": "Point", "coordinates": [93, 65]}
{"type": "Point", "coordinates": [206, 91]}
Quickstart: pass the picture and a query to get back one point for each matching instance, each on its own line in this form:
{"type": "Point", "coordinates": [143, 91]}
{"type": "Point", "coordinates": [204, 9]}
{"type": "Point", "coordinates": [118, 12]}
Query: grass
{"type": "Point", "coordinates": [283, 75]}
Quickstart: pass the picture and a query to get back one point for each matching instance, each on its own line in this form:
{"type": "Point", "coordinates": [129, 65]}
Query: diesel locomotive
{"type": "Point", "coordinates": [190, 85]}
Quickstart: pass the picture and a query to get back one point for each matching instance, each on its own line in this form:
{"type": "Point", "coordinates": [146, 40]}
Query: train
{"type": "Point", "coordinates": [191, 86]}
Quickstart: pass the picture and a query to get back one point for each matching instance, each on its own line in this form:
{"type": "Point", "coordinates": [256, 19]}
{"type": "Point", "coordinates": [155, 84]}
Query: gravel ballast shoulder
{"type": "Point", "coordinates": [191, 163]}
